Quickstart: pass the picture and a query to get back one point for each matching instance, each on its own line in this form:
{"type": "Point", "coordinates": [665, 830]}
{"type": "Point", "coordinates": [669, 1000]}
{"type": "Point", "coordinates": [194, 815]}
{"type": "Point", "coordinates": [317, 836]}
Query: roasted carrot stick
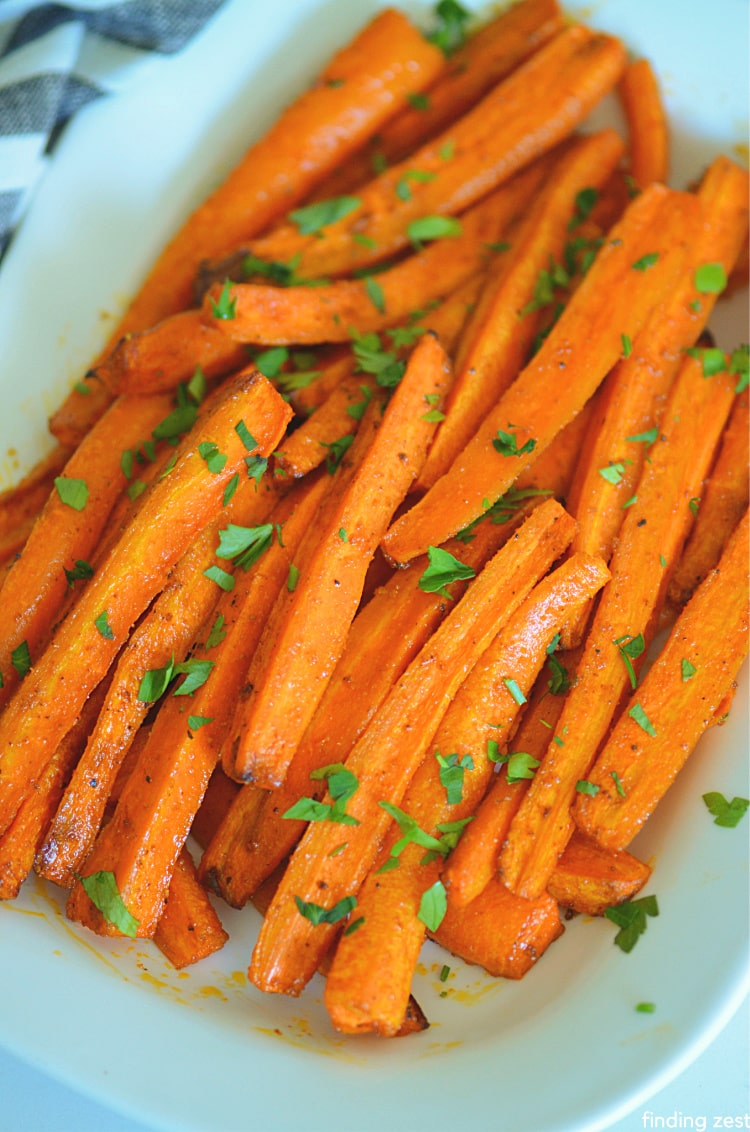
{"type": "Point", "coordinates": [473, 863]}
{"type": "Point", "coordinates": [311, 625]}
{"type": "Point", "coordinates": [501, 932]}
{"type": "Point", "coordinates": [487, 57]}
{"type": "Point", "coordinates": [722, 504]}
{"type": "Point", "coordinates": [368, 984]}
{"type": "Point", "coordinates": [155, 811]}
{"type": "Point", "coordinates": [220, 793]}
{"type": "Point", "coordinates": [674, 705]}
{"type": "Point", "coordinates": [502, 338]}
{"type": "Point", "coordinates": [386, 756]}
{"type": "Point", "coordinates": [648, 131]}
{"type": "Point", "coordinates": [69, 528]}
{"type": "Point", "coordinates": [158, 359]}
{"type": "Point", "coordinates": [651, 536]}
{"type": "Point", "coordinates": [503, 133]}
{"type": "Point", "coordinates": [28, 496]}
{"type": "Point", "coordinates": [639, 262]}
{"type": "Point", "coordinates": [307, 315]}
{"type": "Point", "coordinates": [256, 836]}
{"type": "Point", "coordinates": [189, 928]}
{"type": "Point", "coordinates": [589, 879]}
{"type": "Point", "coordinates": [634, 393]}
{"type": "Point", "coordinates": [163, 637]}
{"type": "Point", "coordinates": [249, 417]}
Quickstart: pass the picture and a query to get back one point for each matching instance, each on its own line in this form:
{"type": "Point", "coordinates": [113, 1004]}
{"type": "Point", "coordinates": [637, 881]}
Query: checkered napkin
{"type": "Point", "coordinates": [55, 58]}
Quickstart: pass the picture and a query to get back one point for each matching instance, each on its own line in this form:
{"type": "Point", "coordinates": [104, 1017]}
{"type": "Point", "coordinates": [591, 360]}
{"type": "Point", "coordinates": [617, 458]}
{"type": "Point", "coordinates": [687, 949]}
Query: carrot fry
{"type": "Point", "coordinates": [87, 401]}
{"type": "Point", "coordinates": [36, 586]}
{"type": "Point", "coordinates": [176, 506]}
{"type": "Point", "coordinates": [674, 705]}
{"type": "Point", "coordinates": [502, 338]}
{"type": "Point", "coordinates": [651, 536]}
{"type": "Point", "coordinates": [634, 393]}
{"type": "Point", "coordinates": [589, 879]}
{"type": "Point", "coordinates": [372, 969]}
{"type": "Point", "coordinates": [648, 133]}
{"type": "Point", "coordinates": [387, 754]}
{"type": "Point", "coordinates": [473, 863]}
{"type": "Point", "coordinates": [722, 505]}
{"type": "Point", "coordinates": [501, 932]}
{"type": "Point", "coordinates": [502, 134]}
{"type": "Point", "coordinates": [256, 837]}
{"type": "Point", "coordinates": [487, 57]}
{"type": "Point", "coordinates": [158, 359]}
{"type": "Point", "coordinates": [189, 928]}
{"type": "Point", "coordinates": [28, 496]}
{"type": "Point", "coordinates": [20, 841]}
{"type": "Point", "coordinates": [614, 299]}
{"type": "Point", "coordinates": [310, 627]}
{"type": "Point", "coordinates": [163, 637]}
{"type": "Point", "coordinates": [220, 793]}
{"type": "Point", "coordinates": [307, 315]}
{"type": "Point", "coordinates": [159, 802]}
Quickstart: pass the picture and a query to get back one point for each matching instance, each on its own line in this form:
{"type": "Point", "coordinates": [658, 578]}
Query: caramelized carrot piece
{"type": "Point", "coordinates": [651, 536]}
{"type": "Point", "coordinates": [189, 928]}
{"type": "Point", "coordinates": [309, 627]}
{"type": "Point", "coordinates": [368, 984]}
{"type": "Point", "coordinates": [614, 299]}
{"type": "Point", "coordinates": [502, 134]}
{"type": "Point", "coordinates": [36, 586]}
{"type": "Point", "coordinates": [502, 337]}
{"type": "Point", "coordinates": [159, 801]}
{"type": "Point", "coordinates": [387, 755]}
{"type": "Point", "coordinates": [648, 131]}
{"type": "Point", "coordinates": [668, 713]}
{"type": "Point", "coordinates": [589, 879]}
{"type": "Point", "coordinates": [172, 512]}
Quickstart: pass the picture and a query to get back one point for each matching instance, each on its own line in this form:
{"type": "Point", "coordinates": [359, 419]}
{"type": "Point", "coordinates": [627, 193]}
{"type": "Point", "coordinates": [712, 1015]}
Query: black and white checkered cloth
{"type": "Point", "coordinates": [56, 58]}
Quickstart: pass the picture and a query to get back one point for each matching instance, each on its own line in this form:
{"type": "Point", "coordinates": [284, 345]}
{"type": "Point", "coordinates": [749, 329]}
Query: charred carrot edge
{"type": "Point", "coordinates": [163, 636]}
{"type": "Point", "coordinates": [668, 713]}
{"type": "Point", "coordinates": [172, 512]}
{"type": "Point", "coordinates": [628, 609]}
{"type": "Point", "coordinates": [588, 879]}
{"type": "Point", "coordinates": [156, 360]}
{"type": "Point", "coordinates": [364, 991]}
{"type": "Point", "coordinates": [388, 753]}
{"type": "Point", "coordinates": [310, 633]}
{"type": "Point", "coordinates": [614, 299]}
{"type": "Point", "coordinates": [501, 135]}
{"type": "Point", "coordinates": [20, 841]}
{"type": "Point", "coordinates": [501, 932]}
{"type": "Point", "coordinates": [154, 814]}
{"type": "Point", "coordinates": [384, 638]}
{"type": "Point", "coordinates": [648, 131]}
{"type": "Point", "coordinates": [189, 928]}
{"type": "Point", "coordinates": [487, 57]}
{"type": "Point", "coordinates": [635, 392]}
{"type": "Point", "coordinates": [332, 313]}
{"type": "Point", "coordinates": [473, 863]}
{"type": "Point", "coordinates": [36, 586]}
{"type": "Point", "coordinates": [722, 505]}
{"type": "Point", "coordinates": [504, 335]}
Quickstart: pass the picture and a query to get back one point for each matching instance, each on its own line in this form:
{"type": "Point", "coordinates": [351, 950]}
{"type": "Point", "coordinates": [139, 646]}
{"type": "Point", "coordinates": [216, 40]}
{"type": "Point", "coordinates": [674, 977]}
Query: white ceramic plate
{"type": "Point", "coordinates": [565, 1048]}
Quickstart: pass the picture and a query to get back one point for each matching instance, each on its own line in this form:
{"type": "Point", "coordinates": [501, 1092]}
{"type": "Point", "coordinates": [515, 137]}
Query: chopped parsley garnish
{"type": "Point", "coordinates": [688, 670]}
{"type": "Point", "coordinates": [357, 409]}
{"type": "Point", "coordinates": [292, 578]}
{"type": "Point", "coordinates": [638, 714]}
{"type": "Point", "coordinates": [433, 906]}
{"type": "Point", "coordinates": [443, 569]}
{"type": "Point", "coordinates": [195, 722]}
{"type": "Point", "coordinates": [336, 451]}
{"type": "Point", "coordinates": [375, 294]}
{"type": "Point", "coordinates": [548, 281]}
{"type": "Point", "coordinates": [559, 682]}
{"type": "Point", "coordinates": [710, 279]}
{"type": "Point", "coordinates": [223, 579]}
{"type": "Point", "coordinates": [725, 813]}
{"type": "Point", "coordinates": [428, 228]}
{"type": "Point", "coordinates": [246, 436]}
{"type": "Point", "coordinates": [217, 633]}
{"type": "Point", "coordinates": [20, 659]}
{"type": "Point", "coordinates": [342, 784]}
{"type": "Point", "coordinates": [515, 691]}
{"type": "Point", "coordinates": [583, 786]}
{"type": "Point", "coordinates": [521, 765]}
{"type": "Point", "coordinates": [370, 357]}
{"type": "Point", "coordinates": [506, 443]}
{"type": "Point", "coordinates": [618, 783]}
{"type": "Point", "coordinates": [226, 306]}
{"type": "Point", "coordinates": [646, 438]}
{"type": "Point", "coordinates": [403, 188]}
{"type": "Point", "coordinates": [712, 359]}
{"type": "Point", "coordinates": [646, 1007]}
{"type": "Point", "coordinates": [103, 625]}
{"type": "Point", "coordinates": [694, 504]}
{"type": "Point", "coordinates": [630, 648]}
{"type": "Point", "coordinates": [215, 460]}
{"type": "Point", "coordinates": [244, 545]}
{"type": "Point", "coordinates": [81, 571]}
{"type": "Point", "coordinates": [584, 204]}
{"type": "Point", "coordinates": [270, 362]}
{"type": "Point", "coordinates": [311, 219]}
{"type": "Point", "coordinates": [101, 889]}
{"type": "Point", "coordinates": [317, 914]}
{"type": "Point", "coordinates": [613, 473]}
{"type": "Point", "coordinates": [72, 492]}
{"type": "Point", "coordinates": [450, 32]}
{"type": "Point", "coordinates": [645, 261]}
{"type": "Point", "coordinates": [631, 918]}
{"type": "Point", "coordinates": [452, 770]}
{"type": "Point", "coordinates": [418, 101]}
{"type": "Point", "coordinates": [740, 366]}
{"type": "Point", "coordinates": [627, 345]}
{"type": "Point", "coordinates": [155, 682]}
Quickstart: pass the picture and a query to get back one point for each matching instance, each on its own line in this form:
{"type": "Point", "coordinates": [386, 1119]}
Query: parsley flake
{"type": "Point", "coordinates": [317, 914]}
{"type": "Point", "coordinates": [645, 261]}
{"type": "Point", "coordinates": [226, 306]}
{"type": "Point", "coordinates": [450, 32]}
{"type": "Point", "coordinates": [104, 627]}
{"type": "Point", "coordinates": [81, 571]}
{"type": "Point", "coordinates": [20, 659]}
{"type": "Point", "coordinates": [725, 813]}
{"type": "Point", "coordinates": [506, 443]}
{"type": "Point", "coordinates": [101, 889]}
{"type": "Point", "coordinates": [428, 228]}
{"type": "Point", "coordinates": [710, 279]}
{"type": "Point", "coordinates": [638, 714]}
{"type": "Point", "coordinates": [72, 492]}
{"type": "Point", "coordinates": [630, 648]}
{"type": "Point", "coordinates": [443, 569]}
{"type": "Point", "coordinates": [631, 918]}
{"type": "Point", "coordinates": [311, 219]}
{"type": "Point", "coordinates": [451, 773]}
{"type": "Point", "coordinates": [433, 906]}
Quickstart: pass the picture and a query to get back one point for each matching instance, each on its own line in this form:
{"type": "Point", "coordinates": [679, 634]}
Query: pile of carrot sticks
{"type": "Point", "coordinates": [356, 536]}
